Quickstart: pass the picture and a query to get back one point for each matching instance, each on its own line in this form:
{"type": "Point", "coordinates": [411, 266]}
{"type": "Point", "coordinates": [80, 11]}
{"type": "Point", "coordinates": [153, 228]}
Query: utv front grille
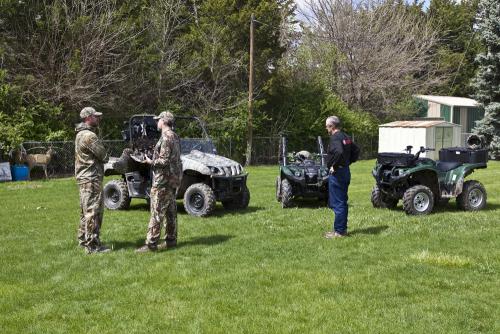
{"type": "Point", "coordinates": [232, 170]}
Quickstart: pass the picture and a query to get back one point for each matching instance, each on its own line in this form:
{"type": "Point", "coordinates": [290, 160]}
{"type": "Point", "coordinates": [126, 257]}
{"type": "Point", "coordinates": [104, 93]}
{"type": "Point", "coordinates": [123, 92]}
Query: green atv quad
{"type": "Point", "coordinates": [422, 182]}
{"type": "Point", "coordinates": [302, 174]}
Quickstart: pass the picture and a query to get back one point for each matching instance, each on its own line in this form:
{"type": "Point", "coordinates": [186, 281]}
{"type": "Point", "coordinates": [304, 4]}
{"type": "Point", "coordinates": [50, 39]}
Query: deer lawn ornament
{"type": "Point", "coordinates": [39, 160]}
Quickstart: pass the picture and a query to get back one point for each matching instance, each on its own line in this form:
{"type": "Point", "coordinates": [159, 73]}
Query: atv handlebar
{"type": "Point", "coordinates": [421, 150]}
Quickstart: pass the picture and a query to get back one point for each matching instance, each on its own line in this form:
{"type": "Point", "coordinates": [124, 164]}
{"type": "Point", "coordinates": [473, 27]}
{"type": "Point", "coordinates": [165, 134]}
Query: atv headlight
{"type": "Point", "coordinates": [297, 173]}
{"type": "Point", "coordinates": [217, 171]}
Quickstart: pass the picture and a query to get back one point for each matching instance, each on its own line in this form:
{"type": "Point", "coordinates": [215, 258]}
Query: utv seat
{"type": "Point", "coordinates": [443, 166]}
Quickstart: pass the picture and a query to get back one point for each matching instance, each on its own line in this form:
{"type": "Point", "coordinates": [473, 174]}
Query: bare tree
{"type": "Point", "coordinates": [384, 50]}
{"type": "Point", "coordinates": [71, 51]}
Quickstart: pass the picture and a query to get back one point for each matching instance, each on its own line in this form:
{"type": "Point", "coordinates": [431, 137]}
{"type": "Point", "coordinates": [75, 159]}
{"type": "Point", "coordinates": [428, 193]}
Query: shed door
{"type": "Point", "coordinates": [444, 137]}
{"type": "Point", "coordinates": [474, 114]}
{"type": "Point", "coordinates": [445, 112]}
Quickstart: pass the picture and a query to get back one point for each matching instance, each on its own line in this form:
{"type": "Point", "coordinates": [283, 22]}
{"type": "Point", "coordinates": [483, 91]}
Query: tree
{"type": "Point", "coordinates": [487, 80]}
{"type": "Point", "coordinates": [66, 51]}
{"type": "Point", "coordinates": [457, 45]}
{"type": "Point", "coordinates": [385, 50]}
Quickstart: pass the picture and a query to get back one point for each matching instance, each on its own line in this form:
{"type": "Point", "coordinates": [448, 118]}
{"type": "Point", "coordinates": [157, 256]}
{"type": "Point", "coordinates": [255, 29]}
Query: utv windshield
{"type": "Point", "coordinates": [190, 130]}
{"type": "Point", "coordinates": [193, 135]}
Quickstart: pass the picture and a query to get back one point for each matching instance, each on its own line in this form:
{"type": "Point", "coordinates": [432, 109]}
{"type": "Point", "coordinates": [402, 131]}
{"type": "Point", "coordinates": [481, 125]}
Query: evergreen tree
{"type": "Point", "coordinates": [487, 80]}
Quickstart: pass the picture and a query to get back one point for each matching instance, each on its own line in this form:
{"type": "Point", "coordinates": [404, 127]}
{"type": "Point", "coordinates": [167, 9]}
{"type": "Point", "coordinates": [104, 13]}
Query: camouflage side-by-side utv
{"type": "Point", "coordinates": [302, 174]}
{"type": "Point", "coordinates": [207, 177]}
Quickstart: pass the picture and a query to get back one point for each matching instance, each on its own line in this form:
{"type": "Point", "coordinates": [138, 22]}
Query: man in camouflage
{"type": "Point", "coordinates": [90, 155]}
{"type": "Point", "coordinates": [167, 172]}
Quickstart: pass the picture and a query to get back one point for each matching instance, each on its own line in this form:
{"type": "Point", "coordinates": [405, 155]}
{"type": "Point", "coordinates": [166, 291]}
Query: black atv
{"type": "Point", "coordinates": [422, 182]}
{"type": "Point", "coordinates": [207, 177]}
{"type": "Point", "coordinates": [302, 174]}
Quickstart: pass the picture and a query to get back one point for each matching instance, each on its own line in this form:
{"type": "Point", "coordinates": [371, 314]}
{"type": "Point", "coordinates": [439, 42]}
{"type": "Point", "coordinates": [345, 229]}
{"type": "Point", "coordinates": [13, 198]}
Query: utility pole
{"type": "Point", "coordinates": [250, 98]}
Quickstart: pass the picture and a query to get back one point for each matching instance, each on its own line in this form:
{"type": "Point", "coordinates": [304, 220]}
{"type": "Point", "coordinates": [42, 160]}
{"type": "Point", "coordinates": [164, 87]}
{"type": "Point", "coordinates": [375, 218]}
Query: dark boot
{"type": "Point", "coordinates": [168, 244]}
{"type": "Point", "coordinates": [146, 248]}
{"type": "Point", "coordinates": [97, 249]}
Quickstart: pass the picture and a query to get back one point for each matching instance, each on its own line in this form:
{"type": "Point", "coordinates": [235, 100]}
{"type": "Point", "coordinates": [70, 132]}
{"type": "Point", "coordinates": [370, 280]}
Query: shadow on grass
{"type": "Point", "coordinates": [308, 203]}
{"type": "Point", "coordinates": [218, 212]}
{"type": "Point", "coordinates": [117, 245]}
{"type": "Point", "coordinates": [452, 207]}
{"type": "Point", "coordinates": [370, 230]}
{"type": "Point", "coordinates": [221, 212]}
{"type": "Point", "coordinates": [207, 241]}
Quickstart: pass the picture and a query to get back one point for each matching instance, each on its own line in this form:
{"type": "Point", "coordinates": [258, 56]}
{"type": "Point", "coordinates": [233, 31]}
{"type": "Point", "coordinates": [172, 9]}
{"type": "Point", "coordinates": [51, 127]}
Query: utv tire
{"type": "Point", "coordinates": [379, 200]}
{"type": "Point", "coordinates": [116, 195]}
{"type": "Point", "coordinates": [199, 200]}
{"type": "Point", "coordinates": [286, 193]}
{"type": "Point", "coordinates": [239, 202]}
{"type": "Point", "coordinates": [472, 197]}
{"type": "Point", "coordinates": [418, 200]}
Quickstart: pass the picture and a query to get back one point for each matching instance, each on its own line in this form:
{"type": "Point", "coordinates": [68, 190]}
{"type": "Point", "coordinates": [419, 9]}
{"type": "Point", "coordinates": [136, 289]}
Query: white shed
{"type": "Point", "coordinates": [436, 134]}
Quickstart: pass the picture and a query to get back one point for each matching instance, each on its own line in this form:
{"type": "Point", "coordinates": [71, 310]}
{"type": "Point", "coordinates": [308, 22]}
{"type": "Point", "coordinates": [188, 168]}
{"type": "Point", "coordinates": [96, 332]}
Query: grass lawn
{"type": "Point", "coordinates": [263, 270]}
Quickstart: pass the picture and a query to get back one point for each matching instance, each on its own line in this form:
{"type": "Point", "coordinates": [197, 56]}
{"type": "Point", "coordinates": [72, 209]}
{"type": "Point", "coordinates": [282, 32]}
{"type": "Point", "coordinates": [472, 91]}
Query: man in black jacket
{"type": "Point", "coordinates": [338, 161]}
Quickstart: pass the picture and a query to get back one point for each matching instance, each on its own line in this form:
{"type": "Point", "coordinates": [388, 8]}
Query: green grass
{"type": "Point", "coordinates": [264, 270]}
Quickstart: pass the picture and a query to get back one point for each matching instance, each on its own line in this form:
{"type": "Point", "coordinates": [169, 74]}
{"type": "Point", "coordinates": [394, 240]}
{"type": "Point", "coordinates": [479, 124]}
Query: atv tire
{"type": "Point", "coordinates": [418, 200]}
{"type": "Point", "coordinates": [379, 200]}
{"type": "Point", "coordinates": [278, 189]}
{"type": "Point", "coordinates": [473, 196]}
{"type": "Point", "coordinates": [286, 193]}
{"type": "Point", "coordinates": [199, 200]}
{"type": "Point", "coordinates": [116, 195]}
{"type": "Point", "coordinates": [239, 202]}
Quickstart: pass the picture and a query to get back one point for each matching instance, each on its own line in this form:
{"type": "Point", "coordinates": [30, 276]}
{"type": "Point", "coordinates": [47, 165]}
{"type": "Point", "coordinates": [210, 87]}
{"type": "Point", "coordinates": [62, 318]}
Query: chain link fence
{"type": "Point", "coordinates": [265, 152]}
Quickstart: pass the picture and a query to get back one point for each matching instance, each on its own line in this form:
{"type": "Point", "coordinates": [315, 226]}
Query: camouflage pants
{"type": "Point", "coordinates": [163, 210]}
{"type": "Point", "coordinates": [91, 211]}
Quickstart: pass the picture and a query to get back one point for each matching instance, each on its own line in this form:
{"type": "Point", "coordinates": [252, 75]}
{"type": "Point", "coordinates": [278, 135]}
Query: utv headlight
{"type": "Point", "coordinates": [324, 173]}
{"type": "Point", "coordinates": [217, 171]}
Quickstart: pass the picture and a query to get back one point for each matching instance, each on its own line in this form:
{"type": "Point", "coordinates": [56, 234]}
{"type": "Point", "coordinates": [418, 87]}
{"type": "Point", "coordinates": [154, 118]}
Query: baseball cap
{"type": "Point", "coordinates": [166, 116]}
{"type": "Point", "coordinates": [89, 111]}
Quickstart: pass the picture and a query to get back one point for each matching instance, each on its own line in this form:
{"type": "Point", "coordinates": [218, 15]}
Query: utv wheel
{"type": "Point", "coordinates": [199, 200]}
{"type": "Point", "coordinates": [116, 195]}
{"type": "Point", "coordinates": [418, 200]}
{"type": "Point", "coordinates": [239, 202]}
{"type": "Point", "coordinates": [278, 189]}
{"type": "Point", "coordinates": [473, 196]}
{"type": "Point", "coordinates": [379, 200]}
{"type": "Point", "coordinates": [286, 194]}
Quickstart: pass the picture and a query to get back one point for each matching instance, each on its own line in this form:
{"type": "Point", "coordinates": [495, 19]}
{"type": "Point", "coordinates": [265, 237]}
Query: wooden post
{"type": "Point", "coordinates": [250, 98]}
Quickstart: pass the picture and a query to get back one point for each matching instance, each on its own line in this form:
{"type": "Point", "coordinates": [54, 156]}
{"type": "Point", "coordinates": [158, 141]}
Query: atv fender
{"type": "Point", "coordinates": [422, 174]}
{"type": "Point", "coordinates": [454, 179]}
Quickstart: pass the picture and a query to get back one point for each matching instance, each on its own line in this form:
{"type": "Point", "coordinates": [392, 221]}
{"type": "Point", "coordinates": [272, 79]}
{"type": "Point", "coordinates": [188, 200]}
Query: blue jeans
{"type": "Point", "coordinates": [338, 185]}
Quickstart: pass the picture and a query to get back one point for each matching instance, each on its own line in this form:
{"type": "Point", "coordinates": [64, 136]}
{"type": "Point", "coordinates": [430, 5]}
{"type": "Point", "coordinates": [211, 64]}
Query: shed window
{"type": "Point", "coordinates": [444, 137]}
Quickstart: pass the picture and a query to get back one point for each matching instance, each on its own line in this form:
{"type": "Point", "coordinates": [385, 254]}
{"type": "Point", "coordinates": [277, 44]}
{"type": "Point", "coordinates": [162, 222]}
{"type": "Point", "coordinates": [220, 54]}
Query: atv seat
{"type": "Point", "coordinates": [446, 166]}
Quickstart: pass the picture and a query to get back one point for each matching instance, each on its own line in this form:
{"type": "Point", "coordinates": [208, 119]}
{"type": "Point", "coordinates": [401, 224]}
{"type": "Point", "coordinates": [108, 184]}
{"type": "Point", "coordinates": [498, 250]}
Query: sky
{"type": "Point", "coordinates": [302, 5]}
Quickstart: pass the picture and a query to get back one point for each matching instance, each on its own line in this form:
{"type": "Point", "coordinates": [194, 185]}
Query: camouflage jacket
{"type": "Point", "coordinates": [167, 165]}
{"type": "Point", "coordinates": [90, 155]}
